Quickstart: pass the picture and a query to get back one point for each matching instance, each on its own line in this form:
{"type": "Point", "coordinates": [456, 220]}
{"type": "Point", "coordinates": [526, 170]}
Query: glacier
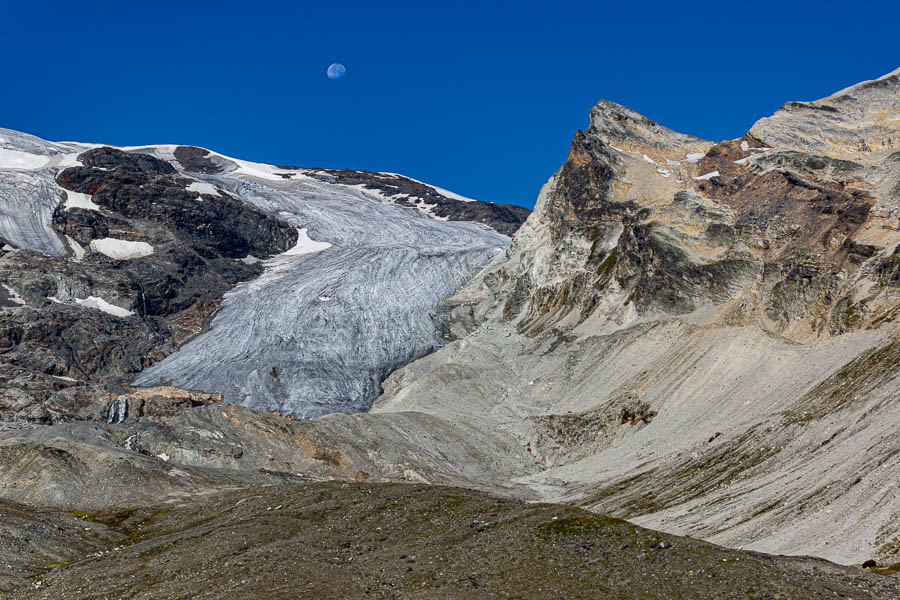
{"type": "Point", "coordinates": [360, 295]}
{"type": "Point", "coordinates": [318, 332]}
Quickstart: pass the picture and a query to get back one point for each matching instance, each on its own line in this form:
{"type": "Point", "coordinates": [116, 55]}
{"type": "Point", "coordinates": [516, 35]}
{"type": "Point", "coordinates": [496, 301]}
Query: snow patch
{"type": "Point", "coordinates": [745, 146]}
{"type": "Point", "coordinates": [305, 245]}
{"type": "Point", "coordinates": [77, 250]}
{"type": "Point", "coordinates": [64, 378]}
{"type": "Point", "coordinates": [69, 160]}
{"type": "Point", "coordinates": [13, 159]}
{"type": "Point", "coordinates": [201, 187]}
{"type": "Point", "coordinates": [443, 192]}
{"type": "Point", "coordinates": [121, 249]}
{"type": "Point", "coordinates": [648, 159]}
{"type": "Point", "coordinates": [708, 176]}
{"type": "Point", "coordinates": [249, 260]}
{"type": "Point", "coordinates": [98, 303]}
{"type": "Point", "coordinates": [663, 172]}
{"type": "Point", "coordinates": [14, 295]}
{"type": "Point", "coordinates": [449, 194]}
{"type": "Point", "coordinates": [325, 298]}
{"type": "Point", "coordinates": [79, 200]}
{"type": "Point", "coordinates": [693, 157]}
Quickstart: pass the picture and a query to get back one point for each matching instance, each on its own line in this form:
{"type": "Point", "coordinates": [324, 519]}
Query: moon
{"type": "Point", "coordinates": [336, 71]}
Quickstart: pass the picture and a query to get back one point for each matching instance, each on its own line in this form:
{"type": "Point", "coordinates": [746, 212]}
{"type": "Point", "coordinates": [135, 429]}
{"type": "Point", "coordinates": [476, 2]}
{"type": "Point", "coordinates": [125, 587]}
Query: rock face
{"type": "Point", "coordinates": [114, 258]}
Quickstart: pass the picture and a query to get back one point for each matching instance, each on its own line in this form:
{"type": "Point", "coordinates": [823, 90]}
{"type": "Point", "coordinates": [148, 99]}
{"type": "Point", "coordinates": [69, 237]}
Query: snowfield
{"type": "Point", "coordinates": [12, 159]}
{"type": "Point", "coordinates": [121, 249]}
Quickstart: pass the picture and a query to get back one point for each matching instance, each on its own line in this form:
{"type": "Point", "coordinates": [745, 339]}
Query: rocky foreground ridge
{"type": "Point", "coordinates": [698, 337]}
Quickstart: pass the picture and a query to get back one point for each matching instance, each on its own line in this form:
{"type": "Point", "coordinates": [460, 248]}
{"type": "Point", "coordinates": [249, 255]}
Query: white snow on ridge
{"type": "Point", "coordinates": [96, 303]}
{"type": "Point", "coordinates": [258, 170]}
{"type": "Point", "coordinates": [14, 295]}
{"type": "Point", "coordinates": [201, 187]}
{"type": "Point", "coordinates": [121, 249]}
{"type": "Point", "coordinates": [101, 304]}
{"type": "Point", "coordinates": [648, 159]}
{"type": "Point", "coordinates": [449, 194]}
{"type": "Point", "coordinates": [13, 159]}
{"type": "Point", "coordinates": [693, 157]}
{"type": "Point", "coordinates": [708, 176]}
{"type": "Point", "coordinates": [69, 160]}
{"type": "Point", "coordinates": [443, 192]}
{"type": "Point", "coordinates": [79, 200]}
{"type": "Point", "coordinates": [745, 146]}
{"type": "Point", "coordinates": [305, 245]}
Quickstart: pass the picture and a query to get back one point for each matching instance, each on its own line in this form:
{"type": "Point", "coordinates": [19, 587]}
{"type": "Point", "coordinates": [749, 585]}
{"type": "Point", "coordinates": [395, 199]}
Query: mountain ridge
{"type": "Point", "coordinates": [699, 337]}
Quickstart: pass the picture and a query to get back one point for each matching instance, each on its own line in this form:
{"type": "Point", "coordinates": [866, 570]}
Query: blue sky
{"type": "Point", "coordinates": [478, 97]}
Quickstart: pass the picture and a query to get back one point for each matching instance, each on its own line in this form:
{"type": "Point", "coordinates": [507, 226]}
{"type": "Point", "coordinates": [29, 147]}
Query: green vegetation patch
{"type": "Point", "coordinates": [581, 525]}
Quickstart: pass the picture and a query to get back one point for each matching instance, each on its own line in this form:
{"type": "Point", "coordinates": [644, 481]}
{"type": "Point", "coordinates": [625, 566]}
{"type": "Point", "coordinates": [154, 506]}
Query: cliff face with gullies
{"type": "Point", "coordinates": [702, 338]}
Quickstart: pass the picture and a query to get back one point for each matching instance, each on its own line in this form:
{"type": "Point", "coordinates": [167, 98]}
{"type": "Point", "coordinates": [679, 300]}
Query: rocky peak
{"type": "Point", "coordinates": [790, 227]}
{"type": "Point", "coordinates": [859, 123]}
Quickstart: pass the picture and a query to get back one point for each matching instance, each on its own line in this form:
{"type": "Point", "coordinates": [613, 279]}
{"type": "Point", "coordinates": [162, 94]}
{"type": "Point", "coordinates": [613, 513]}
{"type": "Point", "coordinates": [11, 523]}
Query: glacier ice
{"type": "Point", "coordinates": [360, 295]}
{"type": "Point", "coordinates": [276, 345]}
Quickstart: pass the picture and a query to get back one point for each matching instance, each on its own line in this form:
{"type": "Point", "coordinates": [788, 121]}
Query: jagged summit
{"type": "Point", "coordinates": [857, 123]}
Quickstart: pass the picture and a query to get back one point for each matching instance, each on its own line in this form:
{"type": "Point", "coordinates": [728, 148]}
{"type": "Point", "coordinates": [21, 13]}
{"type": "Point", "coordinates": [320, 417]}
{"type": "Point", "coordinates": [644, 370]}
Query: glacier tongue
{"type": "Point", "coordinates": [275, 345]}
